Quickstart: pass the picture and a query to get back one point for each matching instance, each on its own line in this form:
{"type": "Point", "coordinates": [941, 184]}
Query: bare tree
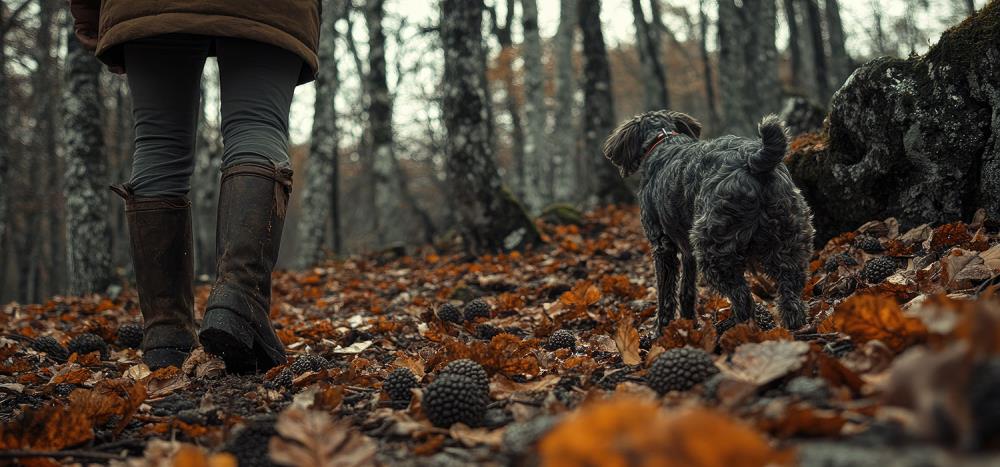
{"type": "Point", "coordinates": [88, 240]}
{"type": "Point", "coordinates": [706, 63]}
{"type": "Point", "coordinates": [748, 72]}
{"type": "Point", "coordinates": [647, 39]}
{"type": "Point", "coordinates": [598, 106]}
{"type": "Point", "coordinates": [505, 66]}
{"type": "Point", "coordinates": [840, 62]}
{"type": "Point", "coordinates": [489, 217]}
{"type": "Point", "coordinates": [534, 106]}
{"type": "Point", "coordinates": [563, 138]}
{"type": "Point", "coordinates": [794, 43]}
{"type": "Point", "coordinates": [970, 6]}
{"type": "Point", "coordinates": [822, 76]}
{"type": "Point", "coordinates": [320, 197]}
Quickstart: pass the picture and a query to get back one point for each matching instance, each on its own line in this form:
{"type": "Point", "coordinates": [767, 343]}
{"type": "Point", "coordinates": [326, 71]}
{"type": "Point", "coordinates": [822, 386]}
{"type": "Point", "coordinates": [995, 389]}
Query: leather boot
{"type": "Point", "coordinates": [160, 236]}
{"type": "Point", "coordinates": [237, 325]}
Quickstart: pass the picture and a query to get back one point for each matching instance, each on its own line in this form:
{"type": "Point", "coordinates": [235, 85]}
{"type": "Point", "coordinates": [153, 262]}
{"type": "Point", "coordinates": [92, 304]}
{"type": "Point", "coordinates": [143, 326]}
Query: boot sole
{"type": "Point", "coordinates": [229, 336]}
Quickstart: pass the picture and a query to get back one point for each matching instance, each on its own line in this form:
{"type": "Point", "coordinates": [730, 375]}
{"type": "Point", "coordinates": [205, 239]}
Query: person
{"type": "Point", "coordinates": [264, 50]}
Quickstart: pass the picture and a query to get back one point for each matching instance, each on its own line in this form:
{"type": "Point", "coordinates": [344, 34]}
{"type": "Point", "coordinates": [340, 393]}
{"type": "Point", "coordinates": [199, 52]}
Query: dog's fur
{"type": "Point", "coordinates": [725, 204]}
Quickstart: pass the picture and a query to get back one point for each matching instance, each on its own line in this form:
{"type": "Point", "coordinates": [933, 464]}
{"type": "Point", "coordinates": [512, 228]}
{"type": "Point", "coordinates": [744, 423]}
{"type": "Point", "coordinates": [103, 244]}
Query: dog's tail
{"type": "Point", "coordinates": [774, 143]}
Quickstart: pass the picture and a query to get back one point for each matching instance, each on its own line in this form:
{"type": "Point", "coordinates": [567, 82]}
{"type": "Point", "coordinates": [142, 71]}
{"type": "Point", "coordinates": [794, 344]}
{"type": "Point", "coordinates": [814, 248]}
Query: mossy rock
{"type": "Point", "coordinates": [561, 214]}
{"type": "Point", "coordinates": [915, 139]}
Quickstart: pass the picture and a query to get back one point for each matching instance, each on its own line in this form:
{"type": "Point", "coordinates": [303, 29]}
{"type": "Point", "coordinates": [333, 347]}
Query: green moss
{"type": "Point", "coordinates": [562, 214]}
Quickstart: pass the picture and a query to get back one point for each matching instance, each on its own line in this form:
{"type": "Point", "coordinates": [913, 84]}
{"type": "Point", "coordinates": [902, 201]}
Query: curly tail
{"type": "Point", "coordinates": [774, 143]}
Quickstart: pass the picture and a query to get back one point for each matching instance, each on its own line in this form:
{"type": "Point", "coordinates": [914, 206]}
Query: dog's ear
{"type": "Point", "coordinates": [624, 146]}
{"type": "Point", "coordinates": [687, 124]}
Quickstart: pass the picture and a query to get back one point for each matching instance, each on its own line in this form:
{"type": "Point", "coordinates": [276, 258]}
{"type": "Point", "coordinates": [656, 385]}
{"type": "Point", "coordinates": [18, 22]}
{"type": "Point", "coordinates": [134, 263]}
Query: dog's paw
{"type": "Point", "coordinates": [794, 321]}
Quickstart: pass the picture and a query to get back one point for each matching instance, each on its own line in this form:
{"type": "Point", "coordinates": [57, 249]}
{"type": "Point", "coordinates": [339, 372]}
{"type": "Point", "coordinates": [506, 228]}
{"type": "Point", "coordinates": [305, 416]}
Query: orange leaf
{"type": "Point", "coordinates": [869, 317]}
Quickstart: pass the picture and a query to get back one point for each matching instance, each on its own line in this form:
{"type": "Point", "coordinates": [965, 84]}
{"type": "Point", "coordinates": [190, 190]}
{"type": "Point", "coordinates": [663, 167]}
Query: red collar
{"type": "Point", "coordinates": [659, 139]}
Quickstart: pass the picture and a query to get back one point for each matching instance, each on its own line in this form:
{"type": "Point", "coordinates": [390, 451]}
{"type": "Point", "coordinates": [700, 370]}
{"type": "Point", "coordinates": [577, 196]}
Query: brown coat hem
{"type": "Point", "coordinates": [109, 50]}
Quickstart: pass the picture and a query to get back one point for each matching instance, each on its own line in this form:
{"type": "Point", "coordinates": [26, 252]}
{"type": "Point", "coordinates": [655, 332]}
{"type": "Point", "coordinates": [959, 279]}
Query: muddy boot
{"type": "Point", "coordinates": [237, 325]}
{"type": "Point", "coordinates": [161, 243]}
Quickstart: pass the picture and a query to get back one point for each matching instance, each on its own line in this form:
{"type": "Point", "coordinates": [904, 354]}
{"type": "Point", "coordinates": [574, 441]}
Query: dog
{"type": "Point", "coordinates": [725, 205]}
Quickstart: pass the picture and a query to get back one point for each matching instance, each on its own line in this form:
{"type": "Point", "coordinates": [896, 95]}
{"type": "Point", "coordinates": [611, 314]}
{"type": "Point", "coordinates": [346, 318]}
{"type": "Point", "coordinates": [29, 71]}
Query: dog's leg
{"type": "Point", "coordinates": [689, 291]}
{"type": "Point", "coordinates": [665, 260]}
{"type": "Point", "coordinates": [728, 279]}
{"type": "Point", "coordinates": [790, 275]}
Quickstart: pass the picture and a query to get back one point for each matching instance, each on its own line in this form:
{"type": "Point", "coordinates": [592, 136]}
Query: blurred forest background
{"type": "Point", "coordinates": [370, 145]}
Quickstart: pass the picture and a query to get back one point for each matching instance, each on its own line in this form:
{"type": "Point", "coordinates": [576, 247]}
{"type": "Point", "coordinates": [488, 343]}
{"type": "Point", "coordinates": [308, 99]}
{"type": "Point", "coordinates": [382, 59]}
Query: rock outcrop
{"type": "Point", "coordinates": [915, 139]}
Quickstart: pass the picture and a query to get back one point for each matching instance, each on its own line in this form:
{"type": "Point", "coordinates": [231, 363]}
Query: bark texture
{"type": "Point", "coordinates": [564, 132]}
{"type": "Point", "coordinates": [749, 84]}
{"type": "Point", "coordinates": [647, 39]}
{"type": "Point", "coordinates": [88, 239]}
{"type": "Point", "coordinates": [916, 139]}
{"type": "Point", "coordinates": [505, 67]}
{"type": "Point", "coordinates": [490, 218]}
{"type": "Point", "coordinates": [821, 71]}
{"type": "Point", "coordinates": [534, 108]}
{"type": "Point", "coordinates": [4, 143]}
{"type": "Point", "coordinates": [380, 122]}
{"type": "Point", "coordinates": [840, 62]}
{"type": "Point", "coordinates": [321, 192]}
{"type": "Point", "coordinates": [598, 107]}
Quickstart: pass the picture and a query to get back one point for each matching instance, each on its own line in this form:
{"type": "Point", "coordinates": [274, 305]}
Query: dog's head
{"type": "Point", "coordinates": [627, 145]}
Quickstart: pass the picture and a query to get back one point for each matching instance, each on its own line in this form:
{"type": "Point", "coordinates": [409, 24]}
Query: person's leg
{"type": "Point", "coordinates": [257, 82]}
{"type": "Point", "coordinates": [164, 76]}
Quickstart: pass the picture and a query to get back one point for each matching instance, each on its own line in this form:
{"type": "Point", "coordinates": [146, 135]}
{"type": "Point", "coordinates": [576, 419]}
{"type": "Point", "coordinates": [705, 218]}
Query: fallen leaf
{"type": "Point", "coordinates": [627, 342]}
{"type": "Point", "coordinates": [313, 439]}
{"type": "Point", "coordinates": [764, 362]}
{"type": "Point", "coordinates": [472, 437]}
{"type": "Point", "coordinates": [869, 317]}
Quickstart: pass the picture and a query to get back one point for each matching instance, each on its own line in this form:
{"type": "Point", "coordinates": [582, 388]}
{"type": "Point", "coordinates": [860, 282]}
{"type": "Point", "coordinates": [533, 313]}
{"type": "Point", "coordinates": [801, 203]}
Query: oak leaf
{"type": "Point", "coordinates": [627, 341]}
{"type": "Point", "coordinates": [870, 317]}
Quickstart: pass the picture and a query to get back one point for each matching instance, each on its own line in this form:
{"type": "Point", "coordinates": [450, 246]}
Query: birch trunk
{"type": "Point", "coordinates": [88, 241]}
{"type": "Point", "coordinates": [490, 219]}
{"type": "Point", "coordinates": [598, 107]}
{"type": "Point", "coordinates": [534, 108]}
{"type": "Point", "coordinates": [322, 181]}
{"type": "Point", "coordinates": [647, 39]}
{"type": "Point", "coordinates": [563, 138]}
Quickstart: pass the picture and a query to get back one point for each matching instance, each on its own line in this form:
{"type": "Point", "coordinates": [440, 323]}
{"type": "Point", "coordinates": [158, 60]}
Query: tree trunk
{"type": "Point", "coordinates": [5, 110]}
{"type": "Point", "coordinates": [748, 72]}
{"type": "Point", "coordinates": [970, 7]}
{"type": "Point", "coordinates": [534, 108]}
{"type": "Point", "coordinates": [598, 107]}
{"type": "Point", "coordinates": [489, 217]}
{"type": "Point", "coordinates": [380, 122]}
{"type": "Point", "coordinates": [840, 62]}
{"type": "Point", "coordinates": [822, 76]}
{"type": "Point", "coordinates": [794, 44]}
{"type": "Point", "coordinates": [647, 39]}
{"type": "Point", "coordinates": [320, 197]}
{"type": "Point", "coordinates": [563, 138]}
{"type": "Point", "coordinates": [706, 63]}
{"type": "Point", "coordinates": [89, 264]}
{"type": "Point", "coordinates": [505, 61]}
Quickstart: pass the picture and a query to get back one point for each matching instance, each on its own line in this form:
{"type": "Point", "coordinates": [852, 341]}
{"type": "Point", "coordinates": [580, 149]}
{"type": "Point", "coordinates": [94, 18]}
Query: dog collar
{"type": "Point", "coordinates": [663, 135]}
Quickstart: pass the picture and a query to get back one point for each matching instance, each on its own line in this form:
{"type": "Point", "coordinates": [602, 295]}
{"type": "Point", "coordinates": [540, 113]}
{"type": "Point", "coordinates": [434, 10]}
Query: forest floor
{"type": "Point", "coordinates": [902, 372]}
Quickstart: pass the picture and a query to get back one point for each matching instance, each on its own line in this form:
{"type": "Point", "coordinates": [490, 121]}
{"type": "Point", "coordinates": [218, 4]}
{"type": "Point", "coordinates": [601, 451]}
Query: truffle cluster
{"type": "Point", "coordinates": [476, 309]}
{"type": "Point", "coordinates": [86, 343]}
{"type": "Point", "coordinates": [129, 335]}
{"type": "Point", "coordinates": [762, 316]}
{"type": "Point", "coordinates": [398, 386]}
{"type": "Point", "coordinates": [868, 244]}
{"type": "Point", "coordinates": [449, 313]}
{"type": "Point", "coordinates": [460, 393]}
{"type": "Point", "coordinates": [561, 339]}
{"type": "Point", "coordinates": [309, 362]}
{"type": "Point", "coordinates": [680, 370]}
{"type": "Point", "coordinates": [878, 269]}
{"type": "Point", "coordinates": [51, 347]}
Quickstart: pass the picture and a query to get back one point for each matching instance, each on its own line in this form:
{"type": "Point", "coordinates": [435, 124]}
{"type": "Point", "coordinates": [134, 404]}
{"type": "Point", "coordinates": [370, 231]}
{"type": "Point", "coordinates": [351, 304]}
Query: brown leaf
{"type": "Point", "coordinates": [868, 317]}
{"type": "Point", "coordinates": [802, 420]}
{"type": "Point", "coordinates": [685, 332]}
{"type": "Point", "coordinates": [746, 332]}
{"type": "Point", "coordinates": [502, 387]}
{"type": "Point", "coordinates": [472, 437]}
{"type": "Point", "coordinates": [627, 341]}
{"type": "Point", "coordinates": [761, 363]}
{"type": "Point", "coordinates": [313, 439]}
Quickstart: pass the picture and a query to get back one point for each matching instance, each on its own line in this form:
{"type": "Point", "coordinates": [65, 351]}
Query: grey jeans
{"type": "Point", "coordinates": [164, 76]}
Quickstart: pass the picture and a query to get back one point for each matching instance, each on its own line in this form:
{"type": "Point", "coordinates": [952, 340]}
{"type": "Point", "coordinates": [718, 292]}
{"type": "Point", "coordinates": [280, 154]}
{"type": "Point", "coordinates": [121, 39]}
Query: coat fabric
{"type": "Point", "coordinates": [290, 24]}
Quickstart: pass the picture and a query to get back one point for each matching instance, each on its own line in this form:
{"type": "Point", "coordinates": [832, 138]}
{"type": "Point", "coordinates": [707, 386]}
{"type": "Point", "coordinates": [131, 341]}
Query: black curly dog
{"type": "Point", "coordinates": [726, 204]}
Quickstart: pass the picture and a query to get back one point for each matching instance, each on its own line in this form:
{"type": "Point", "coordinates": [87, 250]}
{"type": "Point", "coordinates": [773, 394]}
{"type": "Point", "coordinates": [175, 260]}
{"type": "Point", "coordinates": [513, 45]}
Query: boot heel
{"type": "Point", "coordinates": [227, 335]}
